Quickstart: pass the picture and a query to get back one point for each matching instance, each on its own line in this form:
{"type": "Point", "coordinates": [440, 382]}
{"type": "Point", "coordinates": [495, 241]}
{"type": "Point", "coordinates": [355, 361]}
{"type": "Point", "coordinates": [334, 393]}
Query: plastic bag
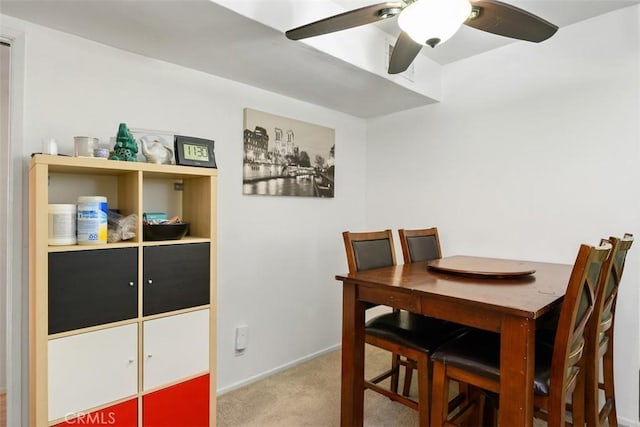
{"type": "Point", "coordinates": [121, 227]}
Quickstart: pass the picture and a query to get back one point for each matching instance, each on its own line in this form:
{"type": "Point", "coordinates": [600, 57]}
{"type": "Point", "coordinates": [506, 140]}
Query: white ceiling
{"type": "Point", "coordinates": [206, 36]}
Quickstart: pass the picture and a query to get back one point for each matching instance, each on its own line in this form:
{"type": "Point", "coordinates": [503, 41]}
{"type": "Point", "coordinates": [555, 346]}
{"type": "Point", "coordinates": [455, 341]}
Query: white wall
{"type": "Point", "coordinates": [277, 256]}
{"type": "Point", "coordinates": [533, 150]}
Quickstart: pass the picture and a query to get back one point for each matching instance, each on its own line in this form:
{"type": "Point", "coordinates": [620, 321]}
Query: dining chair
{"type": "Point", "coordinates": [474, 358]}
{"type": "Point", "coordinates": [404, 334]}
{"type": "Point", "coordinates": [420, 245]}
{"type": "Point", "coordinates": [600, 340]}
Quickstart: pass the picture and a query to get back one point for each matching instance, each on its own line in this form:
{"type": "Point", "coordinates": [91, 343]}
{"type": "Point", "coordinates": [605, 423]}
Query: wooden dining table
{"type": "Point", "coordinates": [504, 296]}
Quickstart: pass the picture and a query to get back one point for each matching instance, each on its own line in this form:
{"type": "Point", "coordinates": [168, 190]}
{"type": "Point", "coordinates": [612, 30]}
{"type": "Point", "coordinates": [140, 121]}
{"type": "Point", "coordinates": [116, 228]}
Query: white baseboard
{"type": "Point", "coordinates": [623, 422]}
{"type": "Point", "coordinates": [276, 370]}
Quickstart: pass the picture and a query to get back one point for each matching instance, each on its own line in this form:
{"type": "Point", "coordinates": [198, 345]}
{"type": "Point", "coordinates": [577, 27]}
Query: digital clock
{"type": "Point", "coordinates": [192, 151]}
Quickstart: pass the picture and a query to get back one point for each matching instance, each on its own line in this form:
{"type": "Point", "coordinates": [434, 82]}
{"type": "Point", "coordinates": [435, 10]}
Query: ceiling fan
{"type": "Point", "coordinates": [432, 22]}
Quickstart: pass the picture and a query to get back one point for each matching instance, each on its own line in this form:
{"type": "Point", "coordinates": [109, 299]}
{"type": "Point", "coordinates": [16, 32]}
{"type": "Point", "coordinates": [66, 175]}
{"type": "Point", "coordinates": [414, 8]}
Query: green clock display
{"type": "Point", "coordinates": [196, 152]}
{"type": "Point", "coordinates": [192, 151]}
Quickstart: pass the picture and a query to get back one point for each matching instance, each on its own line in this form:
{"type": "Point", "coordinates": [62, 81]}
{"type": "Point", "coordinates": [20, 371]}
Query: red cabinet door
{"type": "Point", "coordinates": [185, 404]}
{"type": "Point", "coordinates": [123, 414]}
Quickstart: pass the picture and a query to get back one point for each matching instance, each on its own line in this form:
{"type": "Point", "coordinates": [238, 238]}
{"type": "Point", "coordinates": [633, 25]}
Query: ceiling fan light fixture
{"type": "Point", "coordinates": [432, 22]}
{"type": "Point", "coordinates": [389, 12]}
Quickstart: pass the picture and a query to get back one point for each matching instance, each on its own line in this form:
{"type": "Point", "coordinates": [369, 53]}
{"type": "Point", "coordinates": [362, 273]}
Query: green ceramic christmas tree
{"type": "Point", "coordinates": [126, 147]}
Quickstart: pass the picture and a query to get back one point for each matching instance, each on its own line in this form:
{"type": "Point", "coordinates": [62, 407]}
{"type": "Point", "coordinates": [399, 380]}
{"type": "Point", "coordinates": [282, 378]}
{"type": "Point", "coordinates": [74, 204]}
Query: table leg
{"type": "Point", "coordinates": [517, 354]}
{"type": "Point", "coordinates": [352, 391]}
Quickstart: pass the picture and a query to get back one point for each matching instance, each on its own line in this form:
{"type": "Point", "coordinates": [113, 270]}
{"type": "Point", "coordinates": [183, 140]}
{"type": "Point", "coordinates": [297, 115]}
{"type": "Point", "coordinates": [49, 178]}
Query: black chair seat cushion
{"type": "Point", "coordinates": [479, 352]}
{"type": "Point", "coordinates": [413, 330]}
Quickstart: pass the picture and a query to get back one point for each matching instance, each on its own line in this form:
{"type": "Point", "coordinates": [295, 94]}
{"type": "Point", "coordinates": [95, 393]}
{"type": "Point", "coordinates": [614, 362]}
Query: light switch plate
{"type": "Point", "coordinates": [242, 337]}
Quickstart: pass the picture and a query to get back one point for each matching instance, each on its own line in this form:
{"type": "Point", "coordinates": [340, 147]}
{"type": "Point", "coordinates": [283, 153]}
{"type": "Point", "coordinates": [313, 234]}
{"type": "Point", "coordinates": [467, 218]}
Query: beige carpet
{"type": "Point", "coordinates": [309, 395]}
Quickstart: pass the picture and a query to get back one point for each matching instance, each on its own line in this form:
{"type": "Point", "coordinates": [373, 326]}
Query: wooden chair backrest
{"type": "Point", "coordinates": [369, 250]}
{"type": "Point", "coordinates": [420, 245]}
{"type": "Point", "coordinates": [577, 308]}
{"type": "Point", "coordinates": [607, 293]}
{"type": "Point", "coordinates": [605, 307]}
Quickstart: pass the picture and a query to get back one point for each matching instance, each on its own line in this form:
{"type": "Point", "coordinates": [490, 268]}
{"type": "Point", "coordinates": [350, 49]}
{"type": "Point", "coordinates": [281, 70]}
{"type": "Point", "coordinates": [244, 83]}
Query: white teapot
{"type": "Point", "coordinates": [155, 150]}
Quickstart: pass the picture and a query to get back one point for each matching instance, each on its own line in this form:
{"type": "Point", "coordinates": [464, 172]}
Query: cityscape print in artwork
{"type": "Point", "coordinates": [287, 157]}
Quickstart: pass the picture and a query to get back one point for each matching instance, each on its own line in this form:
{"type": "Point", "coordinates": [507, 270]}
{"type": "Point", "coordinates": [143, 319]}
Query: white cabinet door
{"type": "Point", "coordinates": [175, 347]}
{"type": "Point", "coordinates": [92, 369]}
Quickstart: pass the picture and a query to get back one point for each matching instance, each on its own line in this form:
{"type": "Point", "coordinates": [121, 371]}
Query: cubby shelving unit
{"type": "Point", "coordinates": [123, 333]}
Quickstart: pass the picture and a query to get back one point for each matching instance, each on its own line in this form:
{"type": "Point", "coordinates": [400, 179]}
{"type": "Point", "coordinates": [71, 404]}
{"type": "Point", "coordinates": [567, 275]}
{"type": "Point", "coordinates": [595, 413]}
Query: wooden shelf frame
{"type": "Point", "coordinates": [199, 207]}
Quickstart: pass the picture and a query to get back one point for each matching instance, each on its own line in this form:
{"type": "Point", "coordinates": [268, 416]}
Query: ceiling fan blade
{"type": "Point", "coordinates": [343, 21]}
{"type": "Point", "coordinates": [403, 54]}
{"type": "Point", "coordinates": [506, 20]}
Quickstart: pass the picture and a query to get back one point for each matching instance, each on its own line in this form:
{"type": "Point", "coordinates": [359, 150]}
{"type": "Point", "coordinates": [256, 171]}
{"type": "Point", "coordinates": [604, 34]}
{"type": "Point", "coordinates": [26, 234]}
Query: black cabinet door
{"type": "Point", "coordinates": [175, 277]}
{"type": "Point", "coordinates": [93, 287]}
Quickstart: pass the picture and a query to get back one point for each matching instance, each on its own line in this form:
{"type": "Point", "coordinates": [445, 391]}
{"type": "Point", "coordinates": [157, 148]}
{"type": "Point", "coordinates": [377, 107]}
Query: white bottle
{"type": "Point", "coordinates": [62, 224]}
{"type": "Point", "coordinates": [92, 220]}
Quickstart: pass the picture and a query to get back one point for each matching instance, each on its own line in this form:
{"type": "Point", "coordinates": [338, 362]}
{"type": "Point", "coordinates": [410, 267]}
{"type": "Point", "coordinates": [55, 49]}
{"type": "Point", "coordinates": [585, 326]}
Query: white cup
{"type": "Point", "coordinates": [50, 146]}
{"type": "Point", "coordinates": [84, 146]}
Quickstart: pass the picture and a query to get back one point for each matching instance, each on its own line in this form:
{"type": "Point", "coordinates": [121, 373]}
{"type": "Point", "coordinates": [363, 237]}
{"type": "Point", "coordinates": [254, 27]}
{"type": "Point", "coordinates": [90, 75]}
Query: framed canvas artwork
{"type": "Point", "coordinates": [287, 157]}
